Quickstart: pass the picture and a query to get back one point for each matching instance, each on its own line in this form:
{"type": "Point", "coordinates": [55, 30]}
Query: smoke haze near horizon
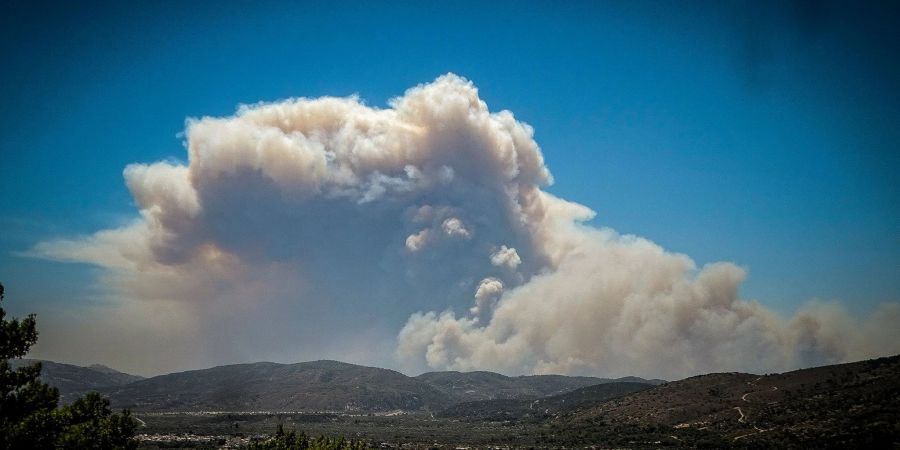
{"type": "Point", "coordinates": [421, 237]}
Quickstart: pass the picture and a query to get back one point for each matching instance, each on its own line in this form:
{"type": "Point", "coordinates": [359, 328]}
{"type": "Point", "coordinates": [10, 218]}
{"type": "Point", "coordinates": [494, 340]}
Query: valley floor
{"type": "Point", "coordinates": [229, 430]}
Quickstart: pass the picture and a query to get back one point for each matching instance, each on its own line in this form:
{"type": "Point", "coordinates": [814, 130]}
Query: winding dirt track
{"type": "Point", "coordinates": [743, 417]}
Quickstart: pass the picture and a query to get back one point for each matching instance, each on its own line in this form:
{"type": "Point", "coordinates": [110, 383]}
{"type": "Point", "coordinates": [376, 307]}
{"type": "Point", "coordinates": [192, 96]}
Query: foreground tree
{"type": "Point", "coordinates": [29, 413]}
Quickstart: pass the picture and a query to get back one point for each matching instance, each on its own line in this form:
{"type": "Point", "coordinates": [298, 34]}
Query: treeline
{"type": "Point", "coordinates": [292, 440]}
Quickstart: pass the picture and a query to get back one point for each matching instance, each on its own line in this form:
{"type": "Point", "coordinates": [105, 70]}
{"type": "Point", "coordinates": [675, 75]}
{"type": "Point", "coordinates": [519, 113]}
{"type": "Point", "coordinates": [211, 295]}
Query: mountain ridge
{"type": "Point", "coordinates": [328, 385]}
{"type": "Point", "coordinates": [74, 381]}
{"type": "Point", "coordinates": [833, 406]}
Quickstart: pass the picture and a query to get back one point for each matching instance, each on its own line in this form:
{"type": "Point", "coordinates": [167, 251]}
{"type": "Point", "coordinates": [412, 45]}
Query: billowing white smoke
{"type": "Point", "coordinates": [323, 224]}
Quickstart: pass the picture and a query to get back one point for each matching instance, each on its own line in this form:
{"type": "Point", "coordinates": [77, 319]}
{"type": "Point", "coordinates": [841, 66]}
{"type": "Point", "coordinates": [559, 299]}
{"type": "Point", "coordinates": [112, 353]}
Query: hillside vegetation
{"type": "Point", "coordinates": [328, 386]}
{"type": "Point", "coordinates": [839, 406]}
{"type": "Point", "coordinates": [311, 386]}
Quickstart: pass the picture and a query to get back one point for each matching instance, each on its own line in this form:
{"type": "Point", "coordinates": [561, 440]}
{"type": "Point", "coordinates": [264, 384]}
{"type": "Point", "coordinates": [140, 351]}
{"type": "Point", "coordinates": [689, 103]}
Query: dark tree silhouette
{"type": "Point", "coordinates": [29, 413]}
{"type": "Point", "coordinates": [292, 440]}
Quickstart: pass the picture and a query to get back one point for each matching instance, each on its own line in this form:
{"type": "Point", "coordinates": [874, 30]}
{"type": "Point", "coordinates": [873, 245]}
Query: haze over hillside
{"type": "Point", "coordinates": [73, 381]}
{"type": "Point", "coordinates": [327, 386]}
{"type": "Point", "coordinates": [308, 386]}
{"type": "Point", "coordinates": [427, 234]}
{"type": "Point", "coordinates": [845, 405]}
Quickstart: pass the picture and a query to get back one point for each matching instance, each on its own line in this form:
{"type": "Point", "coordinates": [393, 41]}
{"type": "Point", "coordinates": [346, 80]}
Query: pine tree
{"type": "Point", "coordinates": [26, 404]}
{"type": "Point", "coordinates": [29, 417]}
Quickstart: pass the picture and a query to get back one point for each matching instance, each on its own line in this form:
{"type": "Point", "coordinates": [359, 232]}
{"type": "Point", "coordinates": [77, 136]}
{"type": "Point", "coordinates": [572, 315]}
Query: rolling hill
{"type": "Point", "coordinates": [328, 386]}
{"type": "Point", "coordinates": [474, 386]}
{"type": "Point", "coordinates": [309, 386]}
{"type": "Point", "coordinates": [74, 381]}
{"type": "Point", "coordinates": [839, 406]}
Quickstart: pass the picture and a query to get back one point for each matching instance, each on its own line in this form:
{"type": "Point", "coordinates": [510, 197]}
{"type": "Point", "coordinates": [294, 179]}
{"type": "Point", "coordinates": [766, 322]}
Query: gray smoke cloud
{"type": "Point", "coordinates": [311, 228]}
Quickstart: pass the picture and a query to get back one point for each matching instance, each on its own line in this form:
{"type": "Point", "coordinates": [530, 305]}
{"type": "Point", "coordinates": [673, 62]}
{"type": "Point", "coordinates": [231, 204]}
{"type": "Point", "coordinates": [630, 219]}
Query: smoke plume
{"type": "Point", "coordinates": [312, 228]}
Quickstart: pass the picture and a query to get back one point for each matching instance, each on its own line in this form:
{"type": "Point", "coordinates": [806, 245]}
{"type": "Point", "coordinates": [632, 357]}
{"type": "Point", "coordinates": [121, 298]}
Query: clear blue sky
{"type": "Point", "coordinates": [764, 134]}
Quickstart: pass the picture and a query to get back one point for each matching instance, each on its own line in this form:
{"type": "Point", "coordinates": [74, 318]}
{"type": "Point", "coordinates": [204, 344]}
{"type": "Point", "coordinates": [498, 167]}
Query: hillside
{"type": "Point", "coordinates": [475, 386]}
{"type": "Point", "coordinates": [328, 386]}
{"type": "Point", "coordinates": [846, 405]}
{"type": "Point", "coordinates": [73, 381]}
{"type": "Point", "coordinates": [309, 386]}
{"type": "Point", "coordinates": [542, 408]}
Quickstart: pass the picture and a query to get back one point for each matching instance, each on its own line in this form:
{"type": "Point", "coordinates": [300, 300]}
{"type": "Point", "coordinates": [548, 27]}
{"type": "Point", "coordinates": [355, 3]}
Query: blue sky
{"type": "Point", "coordinates": [763, 134]}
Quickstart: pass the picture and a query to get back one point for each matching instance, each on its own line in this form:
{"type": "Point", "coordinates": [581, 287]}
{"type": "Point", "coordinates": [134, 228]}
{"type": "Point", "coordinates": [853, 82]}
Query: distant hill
{"type": "Point", "coordinates": [73, 381]}
{"type": "Point", "coordinates": [328, 386]}
{"type": "Point", "coordinates": [309, 386]}
{"type": "Point", "coordinates": [542, 408]}
{"type": "Point", "coordinates": [474, 386]}
{"type": "Point", "coordinates": [841, 406]}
